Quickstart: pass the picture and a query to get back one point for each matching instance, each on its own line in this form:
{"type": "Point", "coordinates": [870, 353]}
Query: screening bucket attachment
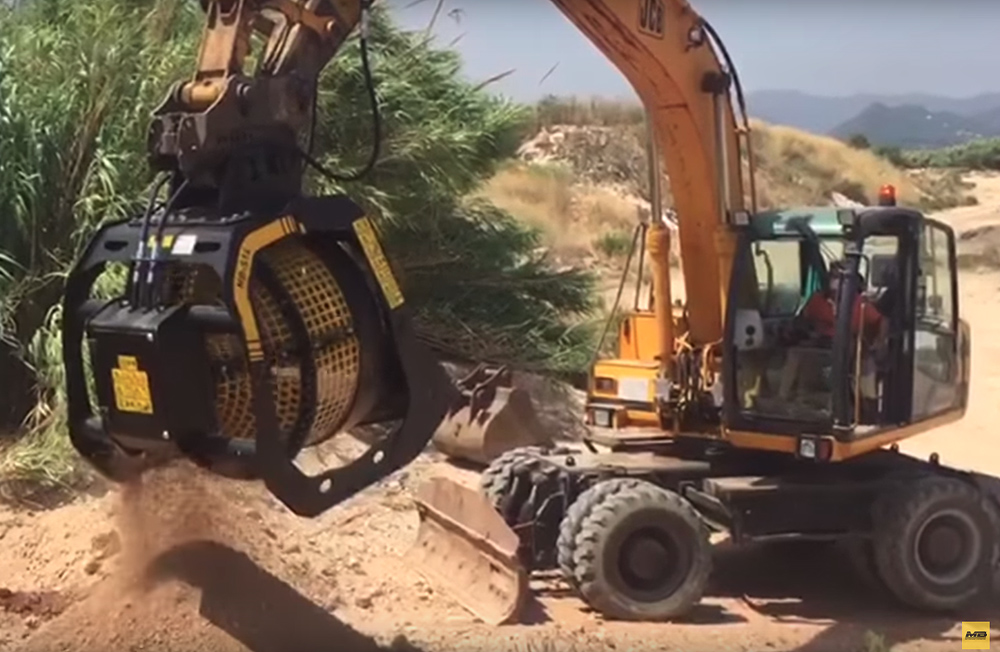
{"type": "Point", "coordinates": [490, 418]}
{"type": "Point", "coordinates": [465, 547]}
{"type": "Point", "coordinates": [253, 338]}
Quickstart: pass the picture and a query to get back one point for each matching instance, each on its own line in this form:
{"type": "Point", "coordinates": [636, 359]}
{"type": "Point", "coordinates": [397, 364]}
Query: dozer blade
{"type": "Point", "coordinates": [464, 546]}
{"type": "Point", "coordinates": [491, 418]}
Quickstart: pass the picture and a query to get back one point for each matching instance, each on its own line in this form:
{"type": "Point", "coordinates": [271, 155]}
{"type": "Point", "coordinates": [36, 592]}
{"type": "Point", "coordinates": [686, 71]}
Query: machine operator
{"type": "Point", "coordinates": [818, 316]}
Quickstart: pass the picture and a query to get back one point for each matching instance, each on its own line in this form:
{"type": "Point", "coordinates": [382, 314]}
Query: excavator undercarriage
{"type": "Point", "coordinates": [630, 532]}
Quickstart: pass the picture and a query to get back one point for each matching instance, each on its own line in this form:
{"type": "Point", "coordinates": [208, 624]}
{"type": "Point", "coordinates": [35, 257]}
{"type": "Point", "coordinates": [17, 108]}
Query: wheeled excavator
{"type": "Point", "coordinates": [258, 321]}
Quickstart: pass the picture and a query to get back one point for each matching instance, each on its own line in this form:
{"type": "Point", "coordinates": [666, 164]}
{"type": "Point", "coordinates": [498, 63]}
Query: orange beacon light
{"type": "Point", "coordinates": [887, 195]}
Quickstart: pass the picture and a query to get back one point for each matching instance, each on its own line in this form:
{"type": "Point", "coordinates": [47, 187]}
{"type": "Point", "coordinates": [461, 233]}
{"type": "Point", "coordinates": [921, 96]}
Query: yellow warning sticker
{"type": "Point", "coordinates": [165, 243]}
{"type": "Point", "coordinates": [380, 265]}
{"type": "Point", "coordinates": [975, 635]}
{"type": "Point", "coordinates": [131, 386]}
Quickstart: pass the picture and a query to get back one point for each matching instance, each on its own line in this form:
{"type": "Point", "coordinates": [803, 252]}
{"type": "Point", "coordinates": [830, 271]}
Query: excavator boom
{"type": "Point", "coordinates": [675, 62]}
{"type": "Point", "coordinates": [665, 50]}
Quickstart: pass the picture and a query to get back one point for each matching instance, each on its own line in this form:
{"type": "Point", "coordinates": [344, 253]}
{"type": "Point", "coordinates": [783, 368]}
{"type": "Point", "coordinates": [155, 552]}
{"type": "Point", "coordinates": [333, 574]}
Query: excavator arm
{"type": "Point", "coordinates": [225, 118]}
{"type": "Point", "coordinates": [665, 50]}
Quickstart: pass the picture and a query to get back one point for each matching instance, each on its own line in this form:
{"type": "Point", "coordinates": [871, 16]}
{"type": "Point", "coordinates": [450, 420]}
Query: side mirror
{"type": "Point", "coordinates": [935, 304]}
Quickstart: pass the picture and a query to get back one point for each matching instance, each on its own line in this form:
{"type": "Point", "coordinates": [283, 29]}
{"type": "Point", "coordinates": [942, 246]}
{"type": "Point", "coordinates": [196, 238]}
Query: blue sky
{"type": "Point", "coordinates": [827, 47]}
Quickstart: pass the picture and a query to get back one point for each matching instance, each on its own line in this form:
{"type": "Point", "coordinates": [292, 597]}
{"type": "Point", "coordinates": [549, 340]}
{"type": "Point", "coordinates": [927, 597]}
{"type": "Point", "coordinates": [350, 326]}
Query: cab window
{"type": "Point", "coordinates": [935, 350]}
{"type": "Point", "coordinates": [773, 378]}
{"type": "Point", "coordinates": [779, 277]}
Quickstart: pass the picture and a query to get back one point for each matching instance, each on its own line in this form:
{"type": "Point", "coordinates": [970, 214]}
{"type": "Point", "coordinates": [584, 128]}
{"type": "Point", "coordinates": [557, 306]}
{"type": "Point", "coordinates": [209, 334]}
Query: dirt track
{"type": "Point", "coordinates": [192, 562]}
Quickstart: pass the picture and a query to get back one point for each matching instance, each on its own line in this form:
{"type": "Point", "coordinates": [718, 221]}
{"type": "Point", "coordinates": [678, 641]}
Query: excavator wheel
{"type": "Point", "coordinates": [994, 513]}
{"type": "Point", "coordinates": [496, 480]}
{"type": "Point", "coordinates": [860, 552]}
{"type": "Point", "coordinates": [935, 544]}
{"type": "Point", "coordinates": [861, 556]}
{"type": "Point", "coordinates": [583, 505]}
{"type": "Point", "coordinates": [641, 553]}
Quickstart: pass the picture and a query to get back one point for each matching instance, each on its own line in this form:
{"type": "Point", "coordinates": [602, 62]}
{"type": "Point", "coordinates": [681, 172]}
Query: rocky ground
{"type": "Point", "coordinates": [193, 562]}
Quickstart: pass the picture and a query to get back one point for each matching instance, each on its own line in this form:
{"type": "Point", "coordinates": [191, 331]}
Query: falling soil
{"type": "Point", "coordinates": [194, 562]}
{"type": "Point", "coordinates": [42, 604]}
{"type": "Point", "coordinates": [170, 543]}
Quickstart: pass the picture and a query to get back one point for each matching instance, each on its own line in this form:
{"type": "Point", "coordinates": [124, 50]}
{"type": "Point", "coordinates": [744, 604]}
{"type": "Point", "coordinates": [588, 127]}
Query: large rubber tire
{"type": "Point", "coordinates": [860, 555]}
{"type": "Point", "coordinates": [496, 479]}
{"type": "Point", "coordinates": [861, 552]}
{"type": "Point", "coordinates": [670, 530]}
{"type": "Point", "coordinates": [914, 512]}
{"type": "Point", "coordinates": [584, 504]}
{"type": "Point", "coordinates": [994, 512]}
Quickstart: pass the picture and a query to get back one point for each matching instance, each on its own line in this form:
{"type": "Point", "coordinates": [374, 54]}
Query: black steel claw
{"type": "Point", "coordinates": [431, 393]}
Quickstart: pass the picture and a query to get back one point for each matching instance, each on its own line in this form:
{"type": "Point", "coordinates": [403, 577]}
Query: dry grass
{"type": "Point", "coordinates": [797, 168]}
{"type": "Point", "coordinates": [874, 642]}
{"type": "Point", "coordinates": [39, 464]}
{"type": "Point", "coordinates": [576, 219]}
{"type": "Point", "coordinates": [593, 111]}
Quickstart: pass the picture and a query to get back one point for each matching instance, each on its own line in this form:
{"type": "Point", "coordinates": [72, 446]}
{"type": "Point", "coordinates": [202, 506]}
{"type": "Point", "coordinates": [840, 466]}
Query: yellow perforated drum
{"type": "Point", "coordinates": [311, 333]}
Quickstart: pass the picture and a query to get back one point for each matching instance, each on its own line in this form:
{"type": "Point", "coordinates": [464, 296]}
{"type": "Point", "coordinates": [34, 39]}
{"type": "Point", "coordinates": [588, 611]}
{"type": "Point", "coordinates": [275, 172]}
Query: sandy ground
{"type": "Point", "coordinates": [968, 443]}
{"type": "Point", "coordinates": [193, 562]}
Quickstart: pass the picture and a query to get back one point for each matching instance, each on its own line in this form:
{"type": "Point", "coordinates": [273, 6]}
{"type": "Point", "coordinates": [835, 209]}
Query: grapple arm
{"type": "Point", "coordinates": [225, 111]}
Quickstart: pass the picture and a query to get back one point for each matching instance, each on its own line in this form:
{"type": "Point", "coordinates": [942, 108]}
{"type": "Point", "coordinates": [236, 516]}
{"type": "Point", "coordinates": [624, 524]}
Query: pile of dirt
{"type": "Point", "coordinates": [793, 168]}
{"type": "Point", "coordinates": [979, 247]}
{"type": "Point", "coordinates": [189, 561]}
{"type": "Point", "coordinates": [173, 534]}
{"type": "Point", "coordinates": [608, 156]}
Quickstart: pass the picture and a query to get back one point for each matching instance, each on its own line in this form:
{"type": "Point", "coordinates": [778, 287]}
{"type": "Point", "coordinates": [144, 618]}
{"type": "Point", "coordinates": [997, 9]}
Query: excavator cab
{"type": "Point", "coordinates": [891, 358]}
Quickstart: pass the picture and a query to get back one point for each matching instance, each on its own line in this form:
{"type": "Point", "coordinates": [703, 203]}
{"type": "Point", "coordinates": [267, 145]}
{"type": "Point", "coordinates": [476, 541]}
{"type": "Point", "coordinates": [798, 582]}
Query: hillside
{"type": "Point", "coordinates": [980, 154]}
{"type": "Point", "coordinates": [821, 114]}
{"type": "Point", "coordinates": [913, 126]}
{"type": "Point", "coordinates": [990, 119]}
{"type": "Point", "coordinates": [584, 186]}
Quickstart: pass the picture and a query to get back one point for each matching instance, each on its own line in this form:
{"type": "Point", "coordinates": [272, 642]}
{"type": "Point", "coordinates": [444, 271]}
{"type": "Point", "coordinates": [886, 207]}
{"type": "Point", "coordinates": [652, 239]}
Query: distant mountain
{"type": "Point", "coordinates": [822, 114]}
{"type": "Point", "coordinates": [911, 127]}
{"type": "Point", "coordinates": [989, 119]}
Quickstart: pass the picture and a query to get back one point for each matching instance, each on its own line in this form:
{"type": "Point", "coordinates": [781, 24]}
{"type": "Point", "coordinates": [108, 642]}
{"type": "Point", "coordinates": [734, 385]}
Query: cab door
{"type": "Point", "coordinates": [939, 363]}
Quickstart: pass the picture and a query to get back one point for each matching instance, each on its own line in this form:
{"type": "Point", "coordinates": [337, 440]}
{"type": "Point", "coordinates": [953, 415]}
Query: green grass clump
{"type": "Point", "coordinates": [979, 154]}
{"type": "Point", "coordinates": [614, 245]}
